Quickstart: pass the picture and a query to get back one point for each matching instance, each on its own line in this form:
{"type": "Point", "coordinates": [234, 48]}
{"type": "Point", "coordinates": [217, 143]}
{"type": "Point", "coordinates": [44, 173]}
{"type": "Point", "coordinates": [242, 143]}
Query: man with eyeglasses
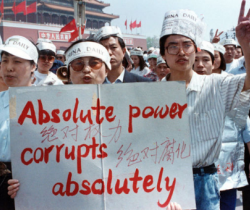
{"type": "Point", "coordinates": [111, 38]}
{"type": "Point", "coordinates": [209, 97]}
{"type": "Point", "coordinates": [47, 52]}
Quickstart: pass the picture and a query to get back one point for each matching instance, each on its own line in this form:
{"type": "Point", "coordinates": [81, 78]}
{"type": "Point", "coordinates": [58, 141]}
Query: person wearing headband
{"type": "Point", "coordinates": [230, 51]}
{"type": "Point", "coordinates": [139, 66]}
{"type": "Point", "coordinates": [204, 59]}
{"type": "Point", "coordinates": [19, 58]}
{"type": "Point", "coordinates": [111, 38]}
{"type": "Point", "coordinates": [87, 62]}
{"type": "Point", "coordinates": [209, 97]}
{"type": "Point", "coordinates": [161, 69]}
{"type": "Point", "coordinates": [219, 61]}
{"type": "Point", "coordinates": [60, 55]}
{"type": "Point", "coordinates": [47, 52]}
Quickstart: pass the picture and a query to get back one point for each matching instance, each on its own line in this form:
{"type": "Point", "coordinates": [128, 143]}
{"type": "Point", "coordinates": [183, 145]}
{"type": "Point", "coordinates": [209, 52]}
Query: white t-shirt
{"type": "Point", "coordinates": [235, 64]}
{"type": "Point", "coordinates": [46, 79]}
{"type": "Point", "coordinates": [143, 72]}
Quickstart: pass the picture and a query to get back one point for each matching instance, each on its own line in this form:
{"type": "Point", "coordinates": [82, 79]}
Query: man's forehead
{"type": "Point", "coordinates": [177, 38]}
{"type": "Point", "coordinates": [109, 41]}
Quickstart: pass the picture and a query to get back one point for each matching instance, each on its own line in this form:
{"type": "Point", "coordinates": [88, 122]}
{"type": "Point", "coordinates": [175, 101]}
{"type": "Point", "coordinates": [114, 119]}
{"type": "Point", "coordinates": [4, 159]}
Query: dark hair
{"type": "Point", "coordinates": [120, 40]}
{"type": "Point", "coordinates": [240, 48]}
{"type": "Point", "coordinates": [211, 55]}
{"type": "Point", "coordinates": [223, 62]}
{"type": "Point", "coordinates": [46, 52]}
{"type": "Point", "coordinates": [142, 63]}
{"type": "Point", "coordinates": [7, 54]}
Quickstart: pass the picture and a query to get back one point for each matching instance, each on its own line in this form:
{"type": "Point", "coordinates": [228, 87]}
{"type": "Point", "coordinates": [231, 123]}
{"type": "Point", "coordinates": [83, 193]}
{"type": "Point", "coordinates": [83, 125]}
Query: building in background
{"type": "Point", "coordinates": [52, 15]}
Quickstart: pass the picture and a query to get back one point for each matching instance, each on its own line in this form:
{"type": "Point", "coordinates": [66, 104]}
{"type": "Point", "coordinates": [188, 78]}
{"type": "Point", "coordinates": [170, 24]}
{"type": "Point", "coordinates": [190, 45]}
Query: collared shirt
{"type": "Point", "coordinates": [47, 79]}
{"type": "Point", "coordinates": [118, 80]}
{"type": "Point", "coordinates": [209, 99]}
{"type": "Point", "coordinates": [4, 127]}
{"type": "Point", "coordinates": [234, 64]}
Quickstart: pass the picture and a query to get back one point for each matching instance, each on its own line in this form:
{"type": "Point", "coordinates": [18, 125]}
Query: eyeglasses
{"type": "Point", "coordinates": [174, 49]}
{"type": "Point", "coordinates": [48, 58]}
{"type": "Point", "coordinates": [79, 64]}
{"type": "Point", "coordinates": [59, 57]}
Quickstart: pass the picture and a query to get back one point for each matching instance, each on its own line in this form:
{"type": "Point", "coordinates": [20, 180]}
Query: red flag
{"type": "Point", "coordinates": [134, 24]}
{"type": "Point", "coordinates": [31, 8]}
{"type": "Point", "coordinates": [83, 27]}
{"type": "Point", "coordinates": [19, 8]}
{"type": "Point", "coordinates": [70, 26]}
{"type": "Point", "coordinates": [2, 7]}
{"type": "Point", "coordinates": [131, 26]}
{"type": "Point", "coordinates": [74, 35]}
{"type": "Point", "coordinates": [126, 24]}
{"type": "Point", "coordinates": [139, 25]}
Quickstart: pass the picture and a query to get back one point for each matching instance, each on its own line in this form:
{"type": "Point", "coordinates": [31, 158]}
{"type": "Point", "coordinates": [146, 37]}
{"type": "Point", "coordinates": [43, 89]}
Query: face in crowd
{"type": "Point", "coordinates": [230, 53]}
{"type": "Point", "coordinates": [16, 72]}
{"type": "Point", "coordinates": [162, 70]}
{"type": "Point", "coordinates": [136, 60]}
{"type": "Point", "coordinates": [45, 61]}
{"type": "Point", "coordinates": [60, 57]}
{"type": "Point", "coordinates": [179, 53]}
{"type": "Point", "coordinates": [238, 53]}
{"type": "Point", "coordinates": [87, 70]}
{"type": "Point", "coordinates": [203, 63]}
{"type": "Point", "coordinates": [115, 51]}
{"type": "Point", "coordinates": [152, 62]}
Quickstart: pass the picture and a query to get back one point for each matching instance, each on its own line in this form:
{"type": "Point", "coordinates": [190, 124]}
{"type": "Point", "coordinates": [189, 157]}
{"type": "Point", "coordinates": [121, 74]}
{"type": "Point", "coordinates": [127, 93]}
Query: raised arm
{"type": "Point", "coordinates": [243, 36]}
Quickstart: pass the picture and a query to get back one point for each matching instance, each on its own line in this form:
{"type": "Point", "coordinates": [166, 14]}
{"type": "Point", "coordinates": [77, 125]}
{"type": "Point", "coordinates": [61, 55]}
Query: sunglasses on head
{"type": "Point", "coordinates": [79, 64]}
{"type": "Point", "coordinates": [49, 58]}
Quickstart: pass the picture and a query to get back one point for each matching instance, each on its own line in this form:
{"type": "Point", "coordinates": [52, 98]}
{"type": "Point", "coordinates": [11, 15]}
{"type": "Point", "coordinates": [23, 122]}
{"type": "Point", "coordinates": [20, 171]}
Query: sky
{"type": "Point", "coordinates": [218, 14]}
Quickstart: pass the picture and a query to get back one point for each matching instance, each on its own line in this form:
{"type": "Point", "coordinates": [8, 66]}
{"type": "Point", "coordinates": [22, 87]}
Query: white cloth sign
{"type": "Point", "coordinates": [111, 147]}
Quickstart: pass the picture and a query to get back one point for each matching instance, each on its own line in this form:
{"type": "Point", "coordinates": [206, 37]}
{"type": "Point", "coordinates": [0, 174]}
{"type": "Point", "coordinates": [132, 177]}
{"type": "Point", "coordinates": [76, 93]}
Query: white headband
{"type": "Point", "coordinates": [183, 22]}
{"type": "Point", "coordinates": [86, 49]}
{"type": "Point", "coordinates": [229, 42]}
{"type": "Point", "coordinates": [21, 47]}
{"type": "Point", "coordinates": [60, 52]}
{"type": "Point", "coordinates": [137, 52]}
{"type": "Point", "coordinates": [160, 60]}
{"type": "Point", "coordinates": [207, 46]}
{"type": "Point", "coordinates": [220, 48]}
{"type": "Point", "coordinates": [106, 31]}
{"type": "Point", "coordinates": [46, 46]}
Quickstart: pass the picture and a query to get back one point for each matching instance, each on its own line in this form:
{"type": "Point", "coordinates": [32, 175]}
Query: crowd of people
{"type": "Point", "coordinates": [217, 79]}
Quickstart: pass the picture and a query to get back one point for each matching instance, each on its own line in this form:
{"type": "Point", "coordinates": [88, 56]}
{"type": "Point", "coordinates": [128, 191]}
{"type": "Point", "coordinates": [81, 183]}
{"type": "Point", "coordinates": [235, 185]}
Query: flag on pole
{"type": "Point", "coordinates": [31, 8]}
{"type": "Point", "coordinates": [69, 27]}
{"type": "Point", "coordinates": [19, 8]}
{"type": "Point", "coordinates": [131, 26]}
{"type": "Point", "coordinates": [126, 24]}
{"type": "Point", "coordinates": [74, 35]}
{"type": "Point", "coordinates": [134, 24]}
{"type": "Point", "coordinates": [139, 25]}
{"type": "Point", "coordinates": [83, 28]}
{"type": "Point", "coordinates": [2, 7]}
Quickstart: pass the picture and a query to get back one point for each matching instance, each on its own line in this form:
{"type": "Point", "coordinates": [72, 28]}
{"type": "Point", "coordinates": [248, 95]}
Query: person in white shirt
{"type": "Point", "coordinates": [230, 47]}
{"type": "Point", "coordinates": [47, 52]}
{"type": "Point", "coordinates": [139, 67]}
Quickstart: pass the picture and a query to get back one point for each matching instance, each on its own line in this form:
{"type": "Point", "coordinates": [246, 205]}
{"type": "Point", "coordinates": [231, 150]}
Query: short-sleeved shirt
{"type": "Point", "coordinates": [209, 98]}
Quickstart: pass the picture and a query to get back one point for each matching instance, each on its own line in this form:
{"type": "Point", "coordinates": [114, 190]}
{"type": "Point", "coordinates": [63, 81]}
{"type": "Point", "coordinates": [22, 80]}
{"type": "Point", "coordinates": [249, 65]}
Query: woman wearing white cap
{"type": "Point", "coordinates": [204, 59]}
{"type": "Point", "coordinates": [88, 62]}
{"type": "Point", "coordinates": [209, 97]}
{"type": "Point", "coordinates": [219, 60]}
{"type": "Point", "coordinates": [139, 67]}
{"type": "Point", "coordinates": [19, 58]}
{"type": "Point", "coordinates": [47, 52]}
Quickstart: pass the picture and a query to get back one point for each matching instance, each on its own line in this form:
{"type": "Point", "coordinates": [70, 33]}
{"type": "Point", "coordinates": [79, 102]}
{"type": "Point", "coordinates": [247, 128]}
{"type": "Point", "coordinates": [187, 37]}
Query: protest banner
{"type": "Point", "coordinates": [124, 146]}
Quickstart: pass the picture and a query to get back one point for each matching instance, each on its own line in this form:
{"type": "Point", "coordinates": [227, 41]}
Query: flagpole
{"type": "Point", "coordinates": [26, 11]}
{"type": "Point", "coordinates": [36, 13]}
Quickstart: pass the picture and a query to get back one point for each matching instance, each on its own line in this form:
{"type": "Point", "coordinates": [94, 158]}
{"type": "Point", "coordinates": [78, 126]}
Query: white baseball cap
{"type": "Point", "coordinates": [86, 49]}
{"type": "Point", "coordinates": [151, 49]}
{"type": "Point", "coordinates": [154, 54]}
{"type": "Point", "coordinates": [107, 31]}
{"type": "Point", "coordinates": [207, 46]}
{"type": "Point", "coordinates": [21, 47]}
{"type": "Point", "coordinates": [229, 42]}
{"type": "Point", "coordinates": [136, 51]}
{"type": "Point", "coordinates": [183, 22]}
{"type": "Point", "coordinates": [160, 60]}
{"type": "Point", "coordinates": [220, 48]}
{"type": "Point", "coordinates": [45, 44]}
{"type": "Point", "coordinates": [60, 52]}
